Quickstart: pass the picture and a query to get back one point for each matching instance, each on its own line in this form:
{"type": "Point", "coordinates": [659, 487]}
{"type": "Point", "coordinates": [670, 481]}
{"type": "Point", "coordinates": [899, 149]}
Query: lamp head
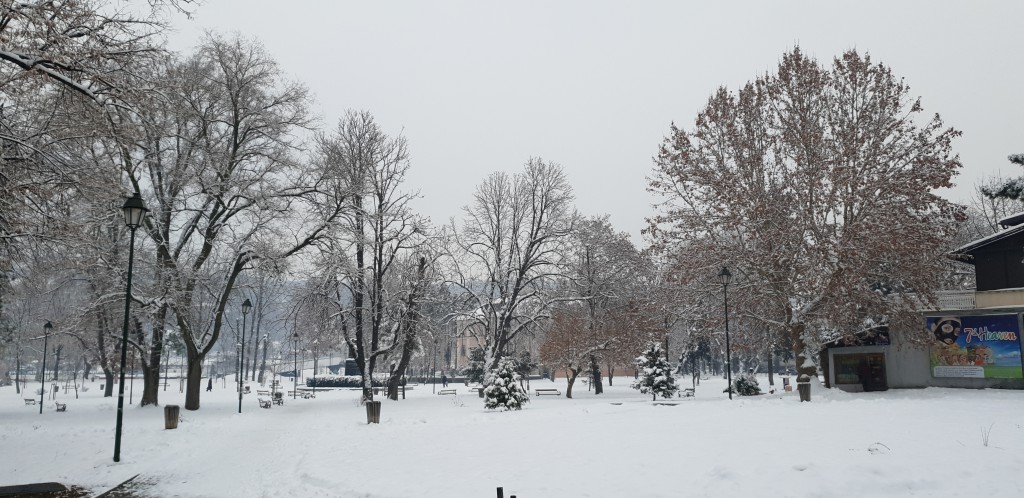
{"type": "Point", "coordinates": [134, 210]}
{"type": "Point", "coordinates": [48, 327]}
{"type": "Point", "coordinates": [246, 306]}
{"type": "Point", "coordinates": [725, 276]}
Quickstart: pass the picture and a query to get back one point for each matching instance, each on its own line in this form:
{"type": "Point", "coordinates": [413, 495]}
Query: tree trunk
{"type": "Point", "coordinates": [151, 369]}
{"type": "Point", "coordinates": [611, 373]}
{"type": "Point", "coordinates": [771, 367]}
{"type": "Point", "coordinates": [108, 382]}
{"type": "Point", "coordinates": [150, 384]}
{"type": "Point", "coordinates": [572, 378]}
{"type": "Point", "coordinates": [194, 380]}
{"type": "Point", "coordinates": [595, 372]}
{"type": "Point", "coordinates": [805, 366]}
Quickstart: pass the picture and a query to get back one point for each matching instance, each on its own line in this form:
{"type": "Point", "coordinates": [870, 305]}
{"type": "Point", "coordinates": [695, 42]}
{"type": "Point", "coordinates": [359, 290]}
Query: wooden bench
{"type": "Point", "coordinates": [446, 391]}
{"type": "Point", "coordinates": [61, 407]}
{"type": "Point", "coordinates": [688, 392]}
{"type": "Point", "coordinates": [262, 392]}
{"type": "Point", "coordinates": [264, 403]}
{"type": "Point", "coordinates": [475, 389]}
{"type": "Point", "coordinates": [541, 392]}
{"type": "Point", "coordinates": [30, 401]}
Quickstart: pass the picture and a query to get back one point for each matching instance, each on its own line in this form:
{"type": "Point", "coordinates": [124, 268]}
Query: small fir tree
{"type": "Point", "coordinates": [474, 372]}
{"type": "Point", "coordinates": [746, 385]}
{"type": "Point", "coordinates": [655, 374]}
{"type": "Point", "coordinates": [503, 391]}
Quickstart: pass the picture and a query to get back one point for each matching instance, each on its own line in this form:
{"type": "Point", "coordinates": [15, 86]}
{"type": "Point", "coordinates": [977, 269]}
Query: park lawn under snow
{"type": "Point", "coordinates": [902, 442]}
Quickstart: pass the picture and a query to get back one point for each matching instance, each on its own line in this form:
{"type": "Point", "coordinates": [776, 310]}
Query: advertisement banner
{"type": "Point", "coordinates": [982, 347]}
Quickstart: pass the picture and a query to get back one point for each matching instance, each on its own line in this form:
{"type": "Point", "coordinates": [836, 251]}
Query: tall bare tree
{"type": "Point", "coordinates": [378, 227]}
{"type": "Point", "coordinates": [507, 259]}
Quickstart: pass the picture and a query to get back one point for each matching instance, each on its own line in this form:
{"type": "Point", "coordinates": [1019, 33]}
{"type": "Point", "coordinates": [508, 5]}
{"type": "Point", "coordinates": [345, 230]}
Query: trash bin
{"type": "Point", "coordinates": [373, 412]}
{"type": "Point", "coordinates": [171, 416]}
{"type": "Point", "coordinates": [480, 391]}
{"type": "Point", "coordinates": [804, 388]}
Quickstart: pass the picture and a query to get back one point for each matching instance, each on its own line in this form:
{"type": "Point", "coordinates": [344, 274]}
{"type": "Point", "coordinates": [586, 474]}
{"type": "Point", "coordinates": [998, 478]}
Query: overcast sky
{"type": "Point", "coordinates": [481, 86]}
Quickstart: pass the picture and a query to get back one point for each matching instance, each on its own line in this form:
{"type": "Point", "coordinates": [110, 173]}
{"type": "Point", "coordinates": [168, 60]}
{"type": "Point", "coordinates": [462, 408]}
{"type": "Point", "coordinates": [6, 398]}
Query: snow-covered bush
{"type": "Point", "coordinates": [342, 381]}
{"type": "Point", "coordinates": [655, 374]}
{"type": "Point", "coordinates": [746, 385]}
{"type": "Point", "coordinates": [502, 390]}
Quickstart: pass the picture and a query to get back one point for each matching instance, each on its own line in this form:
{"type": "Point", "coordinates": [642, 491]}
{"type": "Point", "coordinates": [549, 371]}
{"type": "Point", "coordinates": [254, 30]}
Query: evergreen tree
{"type": "Point", "coordinates": [504, 392]}
{"type": "Point", "coordinates": [475, 371]}
{"type": "Point", "coordinates": [655, 374]}
{"type": "Point", "coordinates": [746, 385]}
{"type": "Point", "coordinates": [1012, 189]}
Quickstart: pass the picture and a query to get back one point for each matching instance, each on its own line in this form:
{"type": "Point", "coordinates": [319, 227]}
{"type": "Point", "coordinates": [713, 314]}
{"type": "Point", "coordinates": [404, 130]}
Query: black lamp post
{"type": "Point", "coordinates": [725, 277]}
{"type": "Point", "coordinates": [246, 306]}
{"type": "Point", "coordinates": [42, 380]}
{"type": "Point", "coordinates": [295, 352]}
{"type": "Point", "coordinates": [134, 211]}
{"type": "Point", "coordinates": [315, 351]}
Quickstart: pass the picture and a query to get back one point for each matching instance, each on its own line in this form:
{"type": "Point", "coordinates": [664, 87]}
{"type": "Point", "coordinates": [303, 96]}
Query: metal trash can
{"type": "Point", "coordinates": [171, 415]}
{"type": "Point", "coordinates": [373, 412]}
{"type": "Point", "coordinates": [804, 389]}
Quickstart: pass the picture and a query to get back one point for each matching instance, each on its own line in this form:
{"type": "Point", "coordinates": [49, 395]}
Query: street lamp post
{"type": "Point", "coordinates": [295, 376]}
{"type": "Point", "coordinates": [263, 365]}
{"type": "Point", "coordinates": [246, 306]}
{"type": "Point", "coordinates": [725, 277]}
{"type": "Point", "coordinates": [134, 211]}
{"type": "Point", "coordinates": [42, 380]}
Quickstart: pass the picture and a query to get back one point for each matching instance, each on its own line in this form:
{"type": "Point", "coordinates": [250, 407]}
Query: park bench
{"type": "Point", "coordinates": [475, 389]}
{"type": "Point", "coordinates": [688, 392]}
{"type": "Point", "coordinates": [262, 392]}
{"type": "Point", "coordinates": [30, 401]}
{"type": "Point", "coordinates": [446, 391]}
{"type": "Point", "coordinates": [264, 403]}
{"type": "Point", "coordinates": [61, 407]}
{"type": "Point", "coordinates": [541, 392]}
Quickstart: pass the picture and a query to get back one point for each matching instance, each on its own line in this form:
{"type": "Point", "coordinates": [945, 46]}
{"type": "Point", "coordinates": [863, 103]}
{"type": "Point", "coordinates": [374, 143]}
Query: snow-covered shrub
{"type": "Point", "coordinates": [746, 385]}
{"type": "Point", "coordinates": [502, 390]}
{"type": "Point", "coordinates": [655, 374]}
{"type": "Point", "coordinates": [342, 381]}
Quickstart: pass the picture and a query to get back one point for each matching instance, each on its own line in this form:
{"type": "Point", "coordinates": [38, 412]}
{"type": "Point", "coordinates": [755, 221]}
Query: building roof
{"type": "Point", "coordinates": [1012, 220]}
{"type": "Point", "coordinates": [964, 252]}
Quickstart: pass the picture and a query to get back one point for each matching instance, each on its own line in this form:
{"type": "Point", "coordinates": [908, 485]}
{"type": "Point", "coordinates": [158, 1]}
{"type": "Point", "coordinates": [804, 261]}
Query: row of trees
{"type": "Point", "coordinates": [814, 184]}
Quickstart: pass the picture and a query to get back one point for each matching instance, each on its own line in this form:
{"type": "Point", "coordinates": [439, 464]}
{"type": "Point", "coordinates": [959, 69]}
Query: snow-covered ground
{"type": "Point", "coordinates": [897, 443]}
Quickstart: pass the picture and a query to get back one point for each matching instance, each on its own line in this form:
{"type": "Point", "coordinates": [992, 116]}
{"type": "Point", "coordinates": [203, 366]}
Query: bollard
{"type": "Point", "coordinates": [501, 492]}
{"type": "Point", "coordinates": [373, 412]}
{"type": "Point", "coordinates": [171, 416]}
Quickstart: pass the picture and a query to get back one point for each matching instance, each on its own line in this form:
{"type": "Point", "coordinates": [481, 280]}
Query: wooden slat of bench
{"type": "Point", "coordinates": [446, 391]}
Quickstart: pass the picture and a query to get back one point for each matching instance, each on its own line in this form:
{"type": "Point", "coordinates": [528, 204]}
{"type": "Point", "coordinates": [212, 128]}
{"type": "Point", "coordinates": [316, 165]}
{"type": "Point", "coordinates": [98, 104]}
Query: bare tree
{"type": "Point", "coordinates": [507, 259]}
{"type": "Point", "coordinates": [378, 227]}
{"type": "Point", "coordinates": [217, 166]}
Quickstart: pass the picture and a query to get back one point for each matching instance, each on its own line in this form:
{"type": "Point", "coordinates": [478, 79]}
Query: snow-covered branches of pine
{"type": "Point", "coordinates": [502, 391]}
{"type": "Point", "coordinates": [656, 376]}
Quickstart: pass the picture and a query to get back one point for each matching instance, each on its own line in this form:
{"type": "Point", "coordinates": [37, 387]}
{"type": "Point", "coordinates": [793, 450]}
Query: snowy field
{"type": "Point", "coordinates": [897, 443]}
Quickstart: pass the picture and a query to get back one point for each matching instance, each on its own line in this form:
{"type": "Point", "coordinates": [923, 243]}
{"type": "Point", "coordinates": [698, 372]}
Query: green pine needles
{"type": "Point", "coordinates": [655, 374]}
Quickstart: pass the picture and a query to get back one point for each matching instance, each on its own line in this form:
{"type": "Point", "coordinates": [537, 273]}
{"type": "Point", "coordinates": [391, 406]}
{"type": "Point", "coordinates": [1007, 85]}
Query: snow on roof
{"type": "Point", "coordinates": [984, 241]}
{"type": "Point", "coordinates": [1012, 220]}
